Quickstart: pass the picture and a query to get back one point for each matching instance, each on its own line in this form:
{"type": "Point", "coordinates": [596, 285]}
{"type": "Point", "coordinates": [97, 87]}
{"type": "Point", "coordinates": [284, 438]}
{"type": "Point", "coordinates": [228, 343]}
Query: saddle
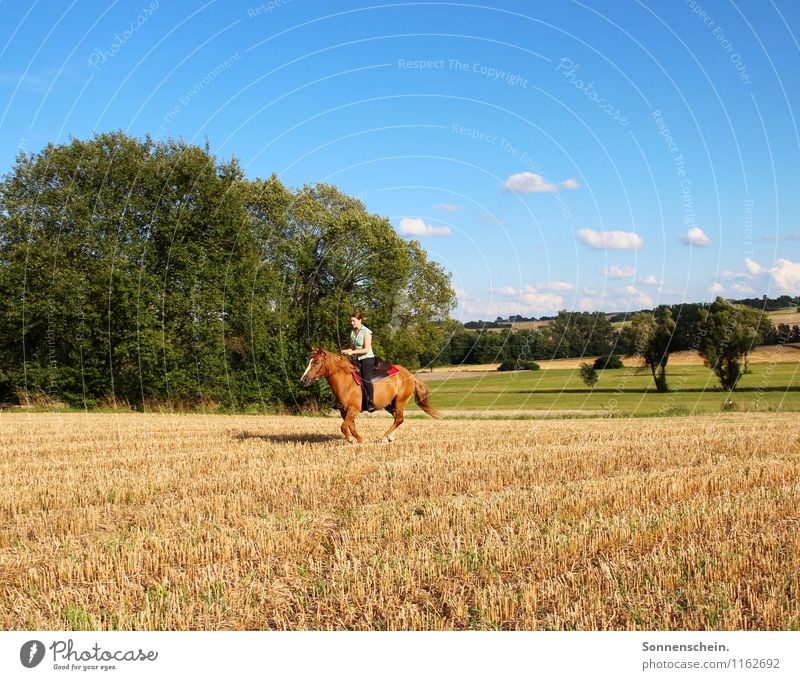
{"type": "Point", "coordinates": [383, 370]}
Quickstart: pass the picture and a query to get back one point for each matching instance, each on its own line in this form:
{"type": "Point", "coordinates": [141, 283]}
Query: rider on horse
{"type": "Point", "coordinates": [361, 342]}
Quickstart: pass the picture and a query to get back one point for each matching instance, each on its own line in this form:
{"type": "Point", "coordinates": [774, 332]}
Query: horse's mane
{"type": "Point", "coordinates": [340, 361]}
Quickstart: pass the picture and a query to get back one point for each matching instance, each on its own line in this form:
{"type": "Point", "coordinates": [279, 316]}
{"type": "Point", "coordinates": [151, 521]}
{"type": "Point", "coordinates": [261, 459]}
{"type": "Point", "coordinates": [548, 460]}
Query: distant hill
{"type": "Point", "coordinates": [783, 309]}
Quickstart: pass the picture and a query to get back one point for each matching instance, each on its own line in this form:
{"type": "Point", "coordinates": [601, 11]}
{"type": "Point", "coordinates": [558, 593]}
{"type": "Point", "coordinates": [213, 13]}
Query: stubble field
{"type": "Point", "coordinates": [156, 522]}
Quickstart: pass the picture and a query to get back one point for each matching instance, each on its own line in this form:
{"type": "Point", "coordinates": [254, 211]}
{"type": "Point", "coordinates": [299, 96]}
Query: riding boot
{"type": "Point", "coordinates": [369, 390]}
{"type": "Point", "coordinates": [367, 367]}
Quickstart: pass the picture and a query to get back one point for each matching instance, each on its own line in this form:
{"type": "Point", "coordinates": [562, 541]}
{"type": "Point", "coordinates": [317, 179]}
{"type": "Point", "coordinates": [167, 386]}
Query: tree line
{"type": "Point", "coordinates": [723, 333]}
{"type": "Point", "coordinates": [151, 273]}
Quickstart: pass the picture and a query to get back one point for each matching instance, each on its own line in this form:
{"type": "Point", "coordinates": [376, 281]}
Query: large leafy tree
{"type": "Point", "coordinates": [121, 266]}
{"type": "Point", "coordinates": [650, 337]}
{"type": "Point", "coordinates": [142, 271]}
{"type": "Point", "coordinates": [728, 333]}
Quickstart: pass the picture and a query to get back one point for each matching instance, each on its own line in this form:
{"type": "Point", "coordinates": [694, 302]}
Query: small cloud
{"type": "Point", "coordinates": [559, 285]}
{"type": "Point", "coordinates": [753, 267]}
{"type": "Point", "coordinates": [742, 288]}
{"type": "Point", "coordinates": [550, 285]}
{"type": "Point", "coordinates": [610, 240]}
{"type": "Point", "coordinates": [651, 281]}
{"type": "Point", "coordinates": [696, 237]}
{"type": "Point", "coordinates": [413, 226]}
{"type": "Point", "coordinates": [638, 296]}
{"type": "Point", "coordinates": [531, 183]}
{"type": "Point", "coordinates": [716, 289]}
{"type": "Point", "coordinates": [448, 207]}
{"type": "Point", "coordinates": [728, 275]}
{"type": "Point", "coordinates": [540, 303]}
{"type": "Point", "coordinates": [593, 292]}
{"type": "Point", "coordinates": [528, 305]}
{"type": "Point", "coordinates": [528, 183]}
{"type": "Point", "coordinates": [505, 291]}
{"type": "Point", "coordinates": [617, 272]}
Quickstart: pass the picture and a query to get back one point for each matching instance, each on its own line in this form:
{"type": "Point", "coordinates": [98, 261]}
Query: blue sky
{"type": "Point", "coordinates": [598, 155]}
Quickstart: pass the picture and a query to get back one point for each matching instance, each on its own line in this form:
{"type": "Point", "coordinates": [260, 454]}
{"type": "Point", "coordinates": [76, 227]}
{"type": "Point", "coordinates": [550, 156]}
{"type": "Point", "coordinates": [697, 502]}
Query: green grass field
{"type": "Point", "coordinates": [623, 392]}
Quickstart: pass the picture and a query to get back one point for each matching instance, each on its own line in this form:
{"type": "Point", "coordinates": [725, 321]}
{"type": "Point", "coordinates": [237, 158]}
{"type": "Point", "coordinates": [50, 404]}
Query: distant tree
{"type": "Point", "coordinates": [609, 361]}
{"type": "Point", "coordinates": [578, 334]}
{"type": "Point", "coordinates": [589, 374]}
{"type": "Point", "coordinates": [518, 365]}
{"type": "Point", "coordinates": [729, 332]}
{"type": "Point", "coordinates": [686, 316]}
{"type": "Point", "coordinates": [649, 337]}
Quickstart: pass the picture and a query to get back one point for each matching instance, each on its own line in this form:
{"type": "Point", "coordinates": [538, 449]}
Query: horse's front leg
{"type": "Point", "coordinates": [349, 426]}
{"type": "Point", "coordinates": [389, 435]}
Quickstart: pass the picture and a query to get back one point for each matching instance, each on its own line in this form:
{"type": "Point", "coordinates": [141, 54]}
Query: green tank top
{"type": "Point", "coordinates": [358, 339]}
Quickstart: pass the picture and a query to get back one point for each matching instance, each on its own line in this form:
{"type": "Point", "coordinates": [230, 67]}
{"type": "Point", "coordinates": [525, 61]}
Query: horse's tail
{"type": "Point", "coordinates": [421, 395]}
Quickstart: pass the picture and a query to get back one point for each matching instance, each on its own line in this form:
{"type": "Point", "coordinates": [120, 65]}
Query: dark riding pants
{"type": "Point", "coordinates": [367, 367]}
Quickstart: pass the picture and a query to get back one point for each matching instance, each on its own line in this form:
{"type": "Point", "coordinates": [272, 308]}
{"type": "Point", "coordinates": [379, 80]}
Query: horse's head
{"type": "Point", "coordinates": [322, 363]}
{"type": "Point", "coordinates": [317, 366]}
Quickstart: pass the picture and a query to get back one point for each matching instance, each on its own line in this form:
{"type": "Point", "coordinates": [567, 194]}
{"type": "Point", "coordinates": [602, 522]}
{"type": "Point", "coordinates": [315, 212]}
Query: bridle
{"type": "Point", "coordinates": [313, 370]}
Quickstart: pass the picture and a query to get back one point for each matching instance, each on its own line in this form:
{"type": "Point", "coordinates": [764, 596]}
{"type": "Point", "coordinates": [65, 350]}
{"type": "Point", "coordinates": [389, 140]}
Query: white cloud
{"type": "Point", "coordinates": [617, 272]}
{"type": "Point", "coordinates": [637, 296]}
{"type": "Point", "coordinates": [651, 281]}
{"type": "Point", "coordinates": [528, 183]}
{"type": "Point", "coordinates": [413, 226]}
{"type": "Point", "coordinates": [716, 289]}
{"type": "Point", "coordinates": [470, 308]}
{"type": "Point", "coordinates": [696, 237]}
{"type": "Point", "coordinates": [753, 267]}
{"type": "Point", "coordinates": [786, 275]}
{"type": "Point", "coordinates": [728, 275]}
{"type": "Point", "coordinates": [559, 285]}
{"type": "Point", "coordinates": [530, 300]}
{"type": "Point", "coordinates": [505, 291]}
{"type": "Point", "coordinates": [541, 303]}
{"type": "Point", "coordinates": [610, 240]}
{"type": "Point", "coordinates": [742, 288]}
{"type": "Point", "coordinates": [550, 285]}
{"type": "Point", "coordinates": [531, 183]}
{"type": "Point", "coordinates": [448, 207]}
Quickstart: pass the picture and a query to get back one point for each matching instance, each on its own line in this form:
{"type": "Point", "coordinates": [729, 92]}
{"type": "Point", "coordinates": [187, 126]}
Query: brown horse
{"type": "Point", "coordinates": [391, 393]}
